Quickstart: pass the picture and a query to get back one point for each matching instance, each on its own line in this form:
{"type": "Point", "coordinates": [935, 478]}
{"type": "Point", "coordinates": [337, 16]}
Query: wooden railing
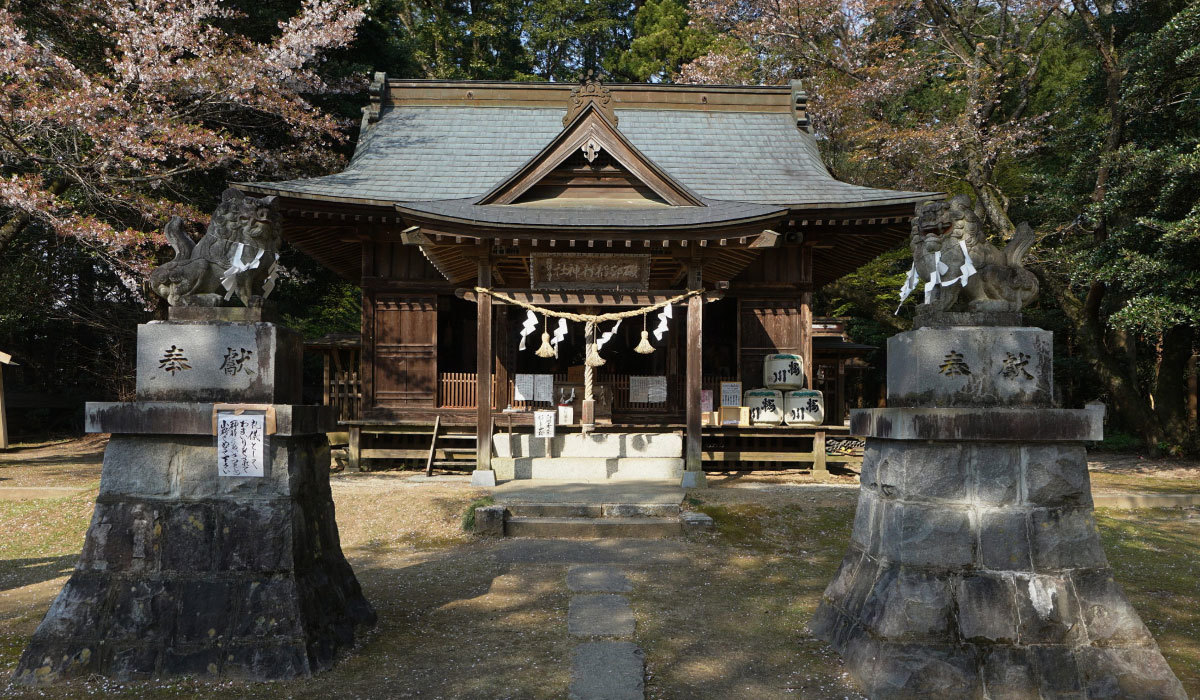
{"type": "Point", "coordinates": [459, 389]}
{"type": "Point", "coordinates": [343, 391]}
{"type": "Point", "coordinates": [342, 384]}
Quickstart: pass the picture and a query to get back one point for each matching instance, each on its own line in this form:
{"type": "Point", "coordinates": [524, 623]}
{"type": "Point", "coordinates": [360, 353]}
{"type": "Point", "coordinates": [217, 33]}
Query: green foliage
{"type": "Point", "coordinates": [567, 38]}
{"type": "Point", "coordinates": [1119, 441]}
{"type": "Point", "coordinates": [663, 41]}
{"type": "Point", "coordinates": [468, 517]}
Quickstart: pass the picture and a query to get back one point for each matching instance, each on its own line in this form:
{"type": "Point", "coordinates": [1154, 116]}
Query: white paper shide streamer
{"type": "Point", "coordinates": [663, 317]}
{"type": "Point", "coordinates": [910, 285]}
{"type": "Point", "coordinates": [559, 334]}
{"type": "Point", "coordinates": [605, 337]}
{"type": "Point", "coordinates": [237, 267]}
{"type": "Point", "coordinates": [936, 276]}
{"type": "Point", "coordinates": [529, 325]}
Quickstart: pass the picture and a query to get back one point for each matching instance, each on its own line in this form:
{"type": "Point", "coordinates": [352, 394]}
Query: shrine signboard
{"type": "Point", "coordinates": [596, 271]}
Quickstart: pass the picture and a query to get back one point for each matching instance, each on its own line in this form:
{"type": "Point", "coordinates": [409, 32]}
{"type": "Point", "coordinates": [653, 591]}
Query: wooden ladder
{"type": "Point", "coordinates": [437, 424]}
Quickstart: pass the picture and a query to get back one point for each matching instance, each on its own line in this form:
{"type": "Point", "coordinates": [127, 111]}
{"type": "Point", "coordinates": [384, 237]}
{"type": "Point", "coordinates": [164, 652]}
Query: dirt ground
{"type": "Point", "coordinates": [722, 617]}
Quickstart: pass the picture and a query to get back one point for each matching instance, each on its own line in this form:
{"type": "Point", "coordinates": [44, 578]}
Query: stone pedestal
{"type": "Point", "coordinates": [975, 569]}
{"type": "Point", "coordinates": [184, 571]}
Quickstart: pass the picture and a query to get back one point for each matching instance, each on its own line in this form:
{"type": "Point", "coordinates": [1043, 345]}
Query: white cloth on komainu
{"type": "Point", "coordinates": [935, 277]}
{"type": "Point", "coordinates": [237, 267]}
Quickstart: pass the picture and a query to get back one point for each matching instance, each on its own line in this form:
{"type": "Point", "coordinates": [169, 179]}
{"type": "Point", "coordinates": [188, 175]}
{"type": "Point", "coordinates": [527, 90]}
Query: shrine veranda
{"type": "Point", "coordinates": [470, 208]}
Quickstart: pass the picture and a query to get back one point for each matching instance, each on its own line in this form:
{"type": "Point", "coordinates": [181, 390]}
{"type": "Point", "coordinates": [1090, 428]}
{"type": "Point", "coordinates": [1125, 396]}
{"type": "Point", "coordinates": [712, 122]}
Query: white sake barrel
{"type": "Point", "coordinates": [783, 372]}
{"type": "Point", "coordinates": [804, 407]}
{"type": "Point", "coordinates": [766, 406]}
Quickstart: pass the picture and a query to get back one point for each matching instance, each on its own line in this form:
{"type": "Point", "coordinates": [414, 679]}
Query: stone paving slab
{"type": "Point", "coordinates": [610, 551]}
{"type": "Point", "coordinates": [597, 578]}
{"type": "Point", "coordinates": [600, 615]}
{"type": "Point", "coordinates": [548, 491]}
{"type": "Point", "coordinates": [607, 671]}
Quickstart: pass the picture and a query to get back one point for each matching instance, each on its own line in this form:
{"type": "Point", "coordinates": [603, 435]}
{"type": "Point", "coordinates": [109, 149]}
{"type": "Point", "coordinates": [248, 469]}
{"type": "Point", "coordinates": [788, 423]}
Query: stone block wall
{"type": "Point", "coordinates": [184, 573]}
{"type": "Point", "coordinates": [976, 568]}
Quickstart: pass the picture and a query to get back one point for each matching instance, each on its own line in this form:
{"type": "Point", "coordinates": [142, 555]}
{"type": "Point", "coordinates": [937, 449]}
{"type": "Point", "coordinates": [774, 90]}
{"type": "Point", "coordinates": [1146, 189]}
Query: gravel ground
{"type": "Point", "coordinates": [721, 618]}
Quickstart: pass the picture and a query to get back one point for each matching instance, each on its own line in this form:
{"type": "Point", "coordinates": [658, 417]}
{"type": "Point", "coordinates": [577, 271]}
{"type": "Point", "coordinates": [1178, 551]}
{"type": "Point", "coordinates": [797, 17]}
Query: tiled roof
{"type": "Point", "coordinates": [460, 152]}
{"type": "Point", "coordinates": [713, 212]}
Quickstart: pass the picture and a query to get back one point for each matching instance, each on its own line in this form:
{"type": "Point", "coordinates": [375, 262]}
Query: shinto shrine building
{"type": "Point", "coordinates": [469, 204]}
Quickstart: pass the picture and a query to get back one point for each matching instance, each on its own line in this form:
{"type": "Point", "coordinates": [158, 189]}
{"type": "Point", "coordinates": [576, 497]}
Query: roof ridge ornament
{"type": "Point", "coordinates": [590, 90]}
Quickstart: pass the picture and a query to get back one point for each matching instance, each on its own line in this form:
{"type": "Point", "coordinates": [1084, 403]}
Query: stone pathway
{"type": "Point", "coordinates": [607, 668]}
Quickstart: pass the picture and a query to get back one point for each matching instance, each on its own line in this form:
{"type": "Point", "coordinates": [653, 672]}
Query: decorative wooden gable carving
{"type": "Point", "coordinates": [590, 91]}
{"type": "Point", "coordinates": [591, 137]}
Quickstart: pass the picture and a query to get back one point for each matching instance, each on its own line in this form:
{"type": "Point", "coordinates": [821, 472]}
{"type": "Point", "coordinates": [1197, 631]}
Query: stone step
{"type": "Point", "coordinates": [607, 445]}
{"type": "Point", "coordinates": [593, 510]}
{"type": "Point", "coordinates": [589, 469]}
{"type": "Point", "coordinates": [593, 528]}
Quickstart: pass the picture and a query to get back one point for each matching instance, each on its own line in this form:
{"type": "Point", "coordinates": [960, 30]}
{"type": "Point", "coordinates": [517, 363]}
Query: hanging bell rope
{"type": "Point", "coordinates": [644, 347]}
{"type": "Point", "coordinates": [588, 318]}
{"type": "Point", "coordinates": [545, 350]}
{"type": "Point", "coordinates": [593, 357]}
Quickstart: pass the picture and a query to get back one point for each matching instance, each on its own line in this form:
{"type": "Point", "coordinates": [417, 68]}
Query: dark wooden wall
{"type": "Point", "coordinates": [774, 310]}
{"type": "Point", "coordinates": [400, 328]}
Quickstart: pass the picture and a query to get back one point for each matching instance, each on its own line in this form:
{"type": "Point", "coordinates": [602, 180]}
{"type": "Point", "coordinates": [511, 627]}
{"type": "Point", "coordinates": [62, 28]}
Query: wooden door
{"type": "Point", "coordinates": [404, 366]}
{"type": "Point", "coordinates": [768, 326]}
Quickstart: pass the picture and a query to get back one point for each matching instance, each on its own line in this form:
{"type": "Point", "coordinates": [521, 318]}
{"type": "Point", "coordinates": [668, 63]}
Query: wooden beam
{"type": "Point", "coordinates": [590, 299]}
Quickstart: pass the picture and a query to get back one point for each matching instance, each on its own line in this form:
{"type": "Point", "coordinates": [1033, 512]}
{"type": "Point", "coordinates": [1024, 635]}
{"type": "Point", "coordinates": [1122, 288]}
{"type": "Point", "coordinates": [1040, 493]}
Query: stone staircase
{"type": "Point", "coordinates": [538, 508]}
{"type": "Point", "coordinates": [596, 457]}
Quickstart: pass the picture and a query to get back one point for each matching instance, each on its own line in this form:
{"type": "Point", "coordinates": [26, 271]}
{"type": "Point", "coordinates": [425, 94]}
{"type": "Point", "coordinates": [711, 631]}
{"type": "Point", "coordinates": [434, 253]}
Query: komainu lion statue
{"type": "Point", "coordinates": [995, 279]}
{"type": "Point", "coordinates": [237, 255]}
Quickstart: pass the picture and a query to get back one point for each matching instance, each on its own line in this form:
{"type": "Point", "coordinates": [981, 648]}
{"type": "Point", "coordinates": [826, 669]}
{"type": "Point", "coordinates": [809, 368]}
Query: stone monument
{"type": "Point", "coordinates": [975, 568]}
{"type": "Point", "coordinates": [213, 550]}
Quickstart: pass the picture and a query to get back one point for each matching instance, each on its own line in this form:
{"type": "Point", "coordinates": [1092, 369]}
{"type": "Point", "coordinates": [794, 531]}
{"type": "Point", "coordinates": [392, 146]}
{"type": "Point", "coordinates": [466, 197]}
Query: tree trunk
{"type": "Point", "coordinates": [1170, 384]}
{"type": "Point", "coordinates": [1128, 402]}
{"type": "Point", "coordinates": [19, 220]}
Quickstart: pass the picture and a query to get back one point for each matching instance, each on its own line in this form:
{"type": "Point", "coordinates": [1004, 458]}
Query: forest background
{"type": "Point", "coordinates": [1081, 117]}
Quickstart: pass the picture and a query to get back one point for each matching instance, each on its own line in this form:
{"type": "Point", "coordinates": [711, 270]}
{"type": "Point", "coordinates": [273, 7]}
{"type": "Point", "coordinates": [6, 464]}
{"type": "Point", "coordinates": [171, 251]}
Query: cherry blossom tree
{"type": "Point", "coordinates": [118, 113]}
{"type": "Point", "coordinates": [918, 94]}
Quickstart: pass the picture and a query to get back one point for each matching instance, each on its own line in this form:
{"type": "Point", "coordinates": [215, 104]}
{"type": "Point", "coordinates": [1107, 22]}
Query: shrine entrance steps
{"type": "Point", "coordinates": [411, 445]}
{"type": "Point", "coordinates": [591, 458]}
{"type": "Point", "coordinates": [570, 509]}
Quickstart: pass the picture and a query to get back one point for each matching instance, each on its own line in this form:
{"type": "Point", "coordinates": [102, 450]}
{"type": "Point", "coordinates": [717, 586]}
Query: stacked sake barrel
{"type": "Point", "coordinates": [785, 400]}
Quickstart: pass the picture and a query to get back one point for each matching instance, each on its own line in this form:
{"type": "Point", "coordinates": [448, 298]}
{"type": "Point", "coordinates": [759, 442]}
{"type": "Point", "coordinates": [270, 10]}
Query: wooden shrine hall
{"type": "Point", "coordinates": [473, 212]}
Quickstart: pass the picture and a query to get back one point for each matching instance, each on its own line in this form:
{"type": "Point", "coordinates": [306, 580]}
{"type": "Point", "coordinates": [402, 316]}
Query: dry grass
{"type": "Point", "coordinates": [73, 463]}
{"type": "Point", "coordinates": [726, 620]}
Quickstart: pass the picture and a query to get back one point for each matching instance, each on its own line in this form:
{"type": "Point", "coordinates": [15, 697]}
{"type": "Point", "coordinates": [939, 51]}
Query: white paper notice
{"type": "Point", "coordinates": [656, 389]}
{"type": "Point", "coordinates": [241, 442]}
{"type": "Point", "coordinates": [638, 390]}
{"type": "Point", "coordinates": [543, 423]}
{"type": "Point", "coordinates": [566, 415]}
{"type": "Point", "coordinates": [731, 393]}
{"type": "Point", "coordinates": [523, 387]}
{"type": "Point", "coordinates": [706, 400]}
{"type": "Point", "coordinates": [543, 387]}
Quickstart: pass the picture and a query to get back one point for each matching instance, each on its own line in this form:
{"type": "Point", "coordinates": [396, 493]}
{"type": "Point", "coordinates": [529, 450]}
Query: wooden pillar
{"type": "Point", "coordinates": [3, 416]}
{"type": "Point", "coordinates": [503, 341]}
{"type": "Point", "coordinates": [354, 450]}
{"type": "Point", "coordinates": [694, 474]}
{"type": "Point", "coordinates": [820, 470]}
{"type": "Point", "coordinates": [806, 335]}
{"type": "Point", "coordinates": [840, 416]}
{"type": "Point", "coordinates": [483, 369]}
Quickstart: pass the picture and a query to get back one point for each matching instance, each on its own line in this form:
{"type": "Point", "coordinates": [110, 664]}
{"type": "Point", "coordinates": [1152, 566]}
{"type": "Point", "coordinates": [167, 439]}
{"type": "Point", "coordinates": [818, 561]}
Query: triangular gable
{"type": "Point", "coordinates": [590, 133]}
